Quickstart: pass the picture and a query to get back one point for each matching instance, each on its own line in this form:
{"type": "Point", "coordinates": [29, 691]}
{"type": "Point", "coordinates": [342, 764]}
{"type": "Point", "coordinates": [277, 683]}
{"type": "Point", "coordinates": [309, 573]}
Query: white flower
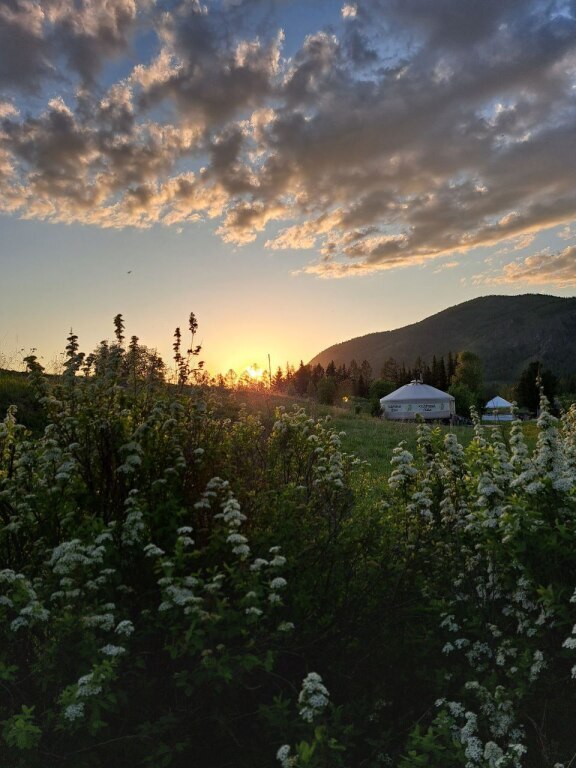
{"type": "Point", "coordinates": [313, 697]}
{"type": "Point", "coordinates": [125, 628]}
{"type": "Point", "coordinates": [151, 550]}
{"type": "Point", "coordinates": [103, 621]}
{"type": "Point", "coordinates": [112, 650]}
{"type": "Point", "coordinates": [17, 623]}
{"type": "Point", "coordinates": [74, 711]}
{"type": "Point", "coordinates": [278, 583]}
{"type": "Point", "coordinates": [86, 686]}
{"type": "Point", "coordinates": [283, 757]}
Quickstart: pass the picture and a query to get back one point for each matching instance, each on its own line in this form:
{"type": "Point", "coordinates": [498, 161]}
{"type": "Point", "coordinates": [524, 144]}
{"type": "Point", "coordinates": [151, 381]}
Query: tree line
{"type": "Point", "coordinates": [459, 373]}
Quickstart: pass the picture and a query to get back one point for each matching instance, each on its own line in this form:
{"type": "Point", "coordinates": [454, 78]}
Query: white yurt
{"type": "Point", "coordinates": [417, 398]}
{"type": "Point", "coordinates": [498, 409]}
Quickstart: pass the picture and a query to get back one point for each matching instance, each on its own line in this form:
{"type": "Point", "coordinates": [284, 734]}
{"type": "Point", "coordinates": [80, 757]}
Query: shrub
{"type": "Point", "coordinates": [177, 573]}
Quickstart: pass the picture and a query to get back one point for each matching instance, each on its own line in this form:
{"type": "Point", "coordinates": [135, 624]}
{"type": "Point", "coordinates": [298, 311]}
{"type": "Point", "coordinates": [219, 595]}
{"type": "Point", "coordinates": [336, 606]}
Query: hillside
{"type": "Point", "coordinates": [507, 332]}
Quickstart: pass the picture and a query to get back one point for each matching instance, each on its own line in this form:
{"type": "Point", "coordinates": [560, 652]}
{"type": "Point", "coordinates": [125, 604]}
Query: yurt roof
{"type": "Point", "coordinates": [417, 391]}
{"type": "Point", "coordinates": [498, 402]}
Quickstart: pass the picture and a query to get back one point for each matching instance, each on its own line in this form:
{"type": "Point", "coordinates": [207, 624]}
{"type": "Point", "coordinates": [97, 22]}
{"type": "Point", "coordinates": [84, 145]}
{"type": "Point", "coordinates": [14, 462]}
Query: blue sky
{"type": "Point", "coordinates": [295, 173]}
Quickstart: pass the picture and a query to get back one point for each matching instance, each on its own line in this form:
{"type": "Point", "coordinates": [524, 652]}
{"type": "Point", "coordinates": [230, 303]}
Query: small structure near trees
{"type": "Point", "coordinates": [418, 399]}
{"type": "Point", "coordinates": [498, 409]}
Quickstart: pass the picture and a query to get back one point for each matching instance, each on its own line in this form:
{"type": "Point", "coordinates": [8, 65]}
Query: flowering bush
{"type": "Point", "coordinates": [501, 521]}
{"type": "Point", "coordinates": [141, 599]}
{"type": "Point", "coordinates": [176, 576]}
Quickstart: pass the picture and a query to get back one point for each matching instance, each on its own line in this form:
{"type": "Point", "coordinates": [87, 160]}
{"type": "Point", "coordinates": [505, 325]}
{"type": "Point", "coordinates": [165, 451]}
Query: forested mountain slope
{"type": "Point", "coordinates": [507, 332]}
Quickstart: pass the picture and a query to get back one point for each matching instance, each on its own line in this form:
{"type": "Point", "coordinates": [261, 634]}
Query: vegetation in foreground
{"type": "Point", "coordinates": [187, 582]}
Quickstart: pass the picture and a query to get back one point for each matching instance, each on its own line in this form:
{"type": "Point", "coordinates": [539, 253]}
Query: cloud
{"type": "Point", "coordinates": [403, 132]}
{"type": "Point", "coordinates": [37, 36]}
{"type": "Point", "coordinates": [543, 268]}
{"type": "Point", "coordinates": [447, 265]}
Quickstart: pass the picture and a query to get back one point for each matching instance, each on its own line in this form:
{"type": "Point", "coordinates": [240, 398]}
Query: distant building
{"type": "Point", "coordinates": [498, 409]}
{"type": "Point", "coordinates": [416, 398]}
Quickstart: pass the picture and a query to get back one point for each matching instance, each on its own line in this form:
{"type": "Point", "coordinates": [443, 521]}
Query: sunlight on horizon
{"type": "Point", "coordinates": [254, 371]}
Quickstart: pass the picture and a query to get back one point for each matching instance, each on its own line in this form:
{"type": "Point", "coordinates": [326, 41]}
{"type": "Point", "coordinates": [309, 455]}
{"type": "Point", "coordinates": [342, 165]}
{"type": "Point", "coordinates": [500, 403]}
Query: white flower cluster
{"type": "Point", "coordinates": [230, 513]}
{"type": "Point", "coordinates": [20, 595]}
{"type": "Point", "coordinates": [112, 650]}
{"type": "Point", "coordinates": [87, 686]}
{"type": "Point", "coordinates": [132, 453]}
{"type": "Point", "coordinates": [313, 697]}
{"type": "Point", "coordinates": [316, 458]}
{"type": "Point", "coordinates": [551, 459]}
{"type": "Point", "coordinates": [489, 754]}
{"type": "Point", "coordinates": [329, 470]}
{"type": "Point", "coordinates": [570, 642]}
{"type": "Point", "coordinates": [404, 470]}
{"type": "Point", "coordinates": [284, 757]}
{"type": "Point", "coordinates": [70, 555]}
{"type": "Point", "coordinates": [74, 711]}
{"type": "Point", "coordinates": [205, 596]}
{"type": "Point", "coordinates": [179, 592]}
{"type": "Point", "coordinates": [276, 584]}
{"type": "Point", "coordinates": [133, 526]}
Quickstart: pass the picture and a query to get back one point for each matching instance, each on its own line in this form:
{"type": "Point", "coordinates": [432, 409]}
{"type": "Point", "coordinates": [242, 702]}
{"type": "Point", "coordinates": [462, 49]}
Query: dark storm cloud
{"type": "Point", "coordinates": [405, 131]}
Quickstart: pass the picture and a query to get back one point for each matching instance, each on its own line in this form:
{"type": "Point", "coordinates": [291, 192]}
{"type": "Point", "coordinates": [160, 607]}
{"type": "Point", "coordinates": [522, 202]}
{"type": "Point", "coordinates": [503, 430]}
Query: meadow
{"type": "Point", "coordinates": [193, 576]}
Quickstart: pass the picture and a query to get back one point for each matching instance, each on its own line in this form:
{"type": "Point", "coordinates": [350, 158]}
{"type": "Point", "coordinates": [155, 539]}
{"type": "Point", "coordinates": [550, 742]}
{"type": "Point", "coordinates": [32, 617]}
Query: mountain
{"type": "Point", "coordinates": [506, 332]}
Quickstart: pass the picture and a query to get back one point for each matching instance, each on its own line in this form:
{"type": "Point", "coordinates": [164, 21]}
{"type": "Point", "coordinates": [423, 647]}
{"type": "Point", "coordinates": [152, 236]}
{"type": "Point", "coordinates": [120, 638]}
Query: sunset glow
{"type": "Point", "coordinates": [308, 174]}
{"type": "Point", "coordinates": [254, 372]}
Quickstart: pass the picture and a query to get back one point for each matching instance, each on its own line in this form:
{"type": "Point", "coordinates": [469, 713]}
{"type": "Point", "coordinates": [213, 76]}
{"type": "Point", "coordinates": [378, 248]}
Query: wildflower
{"type": "Point", "coordinates": [103, 621]}
{"type": "Point", "coordinates": [112, 650]}
{"type": "Point", "coordinates": [274, 598]}
{"type": "Point", "coordinates": [313, 697]}
{"type": "Point", "coordinates": [151, 550]}
{"type": "Point", "coordinates": [87, 687]}
{"type": "Point", "coordinates": [284, 758]}
{"type": "Point", "coordinates": [74, 711]}
{"type": "Point", "coordinates": [125, 628]}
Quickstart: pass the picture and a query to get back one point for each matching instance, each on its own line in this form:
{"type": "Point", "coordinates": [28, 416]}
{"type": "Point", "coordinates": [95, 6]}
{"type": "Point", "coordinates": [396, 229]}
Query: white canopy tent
{"type": "Point", "coordinates": [498, 409]}
{"type": "Point", "coordinates": [497, 402]}
{"type": "Point", "coordinates": [418, 399]}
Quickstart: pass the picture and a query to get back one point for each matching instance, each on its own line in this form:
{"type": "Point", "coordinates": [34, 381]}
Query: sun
{"type": "Point", "coordinates": [254, 372]}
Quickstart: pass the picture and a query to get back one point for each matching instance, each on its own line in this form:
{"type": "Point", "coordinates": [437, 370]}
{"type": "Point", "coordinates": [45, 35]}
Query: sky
{"type": "Point", "coordinates": [295, 173]}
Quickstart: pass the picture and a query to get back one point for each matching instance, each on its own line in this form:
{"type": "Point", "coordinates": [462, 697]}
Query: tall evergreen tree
{"type": "Point", "coordinates": [390, 371]}
{"type": "Point", "coordinates": [528, 388]}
